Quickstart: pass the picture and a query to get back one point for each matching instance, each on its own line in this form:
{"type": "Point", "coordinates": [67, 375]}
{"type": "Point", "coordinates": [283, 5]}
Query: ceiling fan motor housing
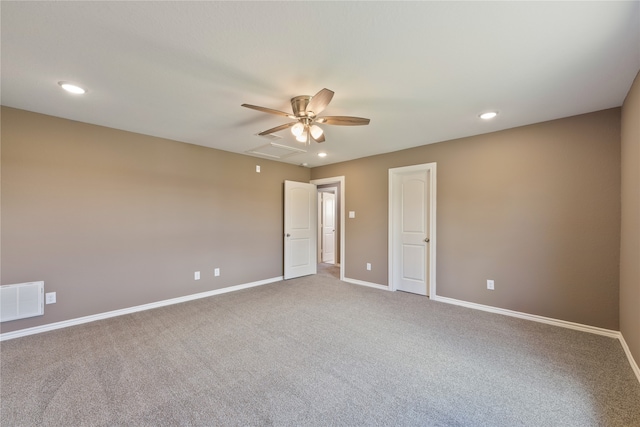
{"type": "Point", "coordinates": [299, 105]}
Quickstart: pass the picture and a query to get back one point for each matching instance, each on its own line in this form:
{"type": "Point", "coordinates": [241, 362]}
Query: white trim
{"type": "Point", "coordinates": [114, 313]}
{"type": "Point", "coordinates": [431, 170]}
{"type": "Point", "coordinates": [368, 284]}
{"type": "Point", "coordinates": [532, 317]}
{"type": "Point", "coordinates": [342, 181]}
{"type": "Point", "coordinates": [548, 320]}
{"type": "Point", "coordinates": [632, 362]}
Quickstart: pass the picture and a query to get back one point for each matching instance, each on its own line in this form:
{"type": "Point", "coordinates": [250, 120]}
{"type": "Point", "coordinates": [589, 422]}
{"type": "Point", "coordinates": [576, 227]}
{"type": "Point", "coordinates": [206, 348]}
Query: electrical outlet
{"type": "Point", "coordinates": [490, 285]}
{"type": "Point", "coordinates": [216, 272]}
{"type": "Point", "coordinates": [369, 266]}
{"type": "Point", "coordinates": [196, 275]}
{"type": "Point", "coordinates": [258, 168]}
{"type": "Point", "coordinates": [50, 298]}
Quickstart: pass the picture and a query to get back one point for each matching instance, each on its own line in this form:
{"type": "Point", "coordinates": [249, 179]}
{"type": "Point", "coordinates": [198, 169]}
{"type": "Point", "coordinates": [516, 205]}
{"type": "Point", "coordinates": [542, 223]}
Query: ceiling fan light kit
{"type": "Point", "coordinates": [316, 131]}
{"type": "Point", "coordinates": [303, 137]}
{"type": "Point", "coordinates": [305, 111]}
{"type": "Point", "coordinates": [297, 129]}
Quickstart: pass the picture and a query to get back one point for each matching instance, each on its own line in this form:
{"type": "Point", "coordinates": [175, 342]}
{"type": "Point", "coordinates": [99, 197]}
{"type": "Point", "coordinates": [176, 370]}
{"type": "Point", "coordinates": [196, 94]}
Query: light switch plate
{"type": "Point", "coordinates": [352, 214]}
{"type": "Point", "coordinates": [50, 298]}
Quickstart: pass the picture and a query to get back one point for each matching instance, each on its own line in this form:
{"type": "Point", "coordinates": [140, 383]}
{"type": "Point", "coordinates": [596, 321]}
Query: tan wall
{"type": "Point", "coordinates": [535, 208]}
{"type": "Point", "coordinates": [630, 227]}
{"type": "Point", "coordinates": [111, 219]}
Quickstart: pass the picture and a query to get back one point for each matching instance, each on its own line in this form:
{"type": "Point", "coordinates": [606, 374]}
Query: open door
{"type": "Point", "coordinates": [338, 184]}
{"type": "Point", "coordinates": [328, 202]}
{"type": "Point", "coordinates": [300, 233]}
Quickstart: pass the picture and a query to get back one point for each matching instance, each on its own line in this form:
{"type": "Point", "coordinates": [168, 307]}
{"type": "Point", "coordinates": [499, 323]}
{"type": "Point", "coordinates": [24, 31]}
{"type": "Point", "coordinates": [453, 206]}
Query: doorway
{"type": "Point", "coordinates": [327, 226]}
{"type": "Point", "coordinates": [412, 229]}
{"type": "Point", "coordinates": [335, 185]}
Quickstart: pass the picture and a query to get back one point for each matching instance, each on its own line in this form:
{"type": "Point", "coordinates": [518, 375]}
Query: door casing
{"type": "Point", "coordinates": [340, 180]}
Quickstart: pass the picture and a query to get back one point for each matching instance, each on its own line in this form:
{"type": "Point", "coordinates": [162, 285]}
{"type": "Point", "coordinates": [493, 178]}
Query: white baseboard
{"type": "Point", "coordinates": [556, 322]}
{"type": "Point", "coordinates": [363, 283]}
{"type": "Point", "coordinates": [632, 362]}
{"type": "Point", "coordinates": [497, 310]}
{"type": "Point", "coordinates": [114, 313]}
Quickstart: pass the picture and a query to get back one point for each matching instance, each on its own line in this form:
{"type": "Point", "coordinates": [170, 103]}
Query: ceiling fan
{"type": "Point", "coordinates": [305, 113]}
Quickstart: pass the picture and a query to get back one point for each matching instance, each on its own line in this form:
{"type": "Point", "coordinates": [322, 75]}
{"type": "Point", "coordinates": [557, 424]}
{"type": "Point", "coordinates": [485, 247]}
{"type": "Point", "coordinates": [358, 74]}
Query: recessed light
{"type": "Point", "coordinates": [71, 88]}
{"type": "Point", "coordinates": [322, 154]}
{"type": "Point", "coordinates": [488, 115]}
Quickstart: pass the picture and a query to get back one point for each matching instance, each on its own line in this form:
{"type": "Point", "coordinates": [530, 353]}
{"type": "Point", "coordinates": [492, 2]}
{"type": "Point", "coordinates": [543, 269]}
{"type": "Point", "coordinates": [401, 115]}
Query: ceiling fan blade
{"type": "Point", "coordinates": [319, 101]}
{"type": "Point", "coordinates": [342, 120]}
{"type": "Point", "coordinates": [277, 128]}
{"type": "Point", "coordinates": [269, 110]}
{"type": "Point", "coordinates": [318, 139]}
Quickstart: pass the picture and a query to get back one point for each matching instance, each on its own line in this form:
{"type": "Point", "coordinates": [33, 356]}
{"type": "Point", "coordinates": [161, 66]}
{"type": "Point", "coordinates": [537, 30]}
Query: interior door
{"type": "Point", "coordinates": [328, 227]}
{"type": "Point", "coordinates": [300, 222]}
{"type": "Point", "coordinates": [410, 212]}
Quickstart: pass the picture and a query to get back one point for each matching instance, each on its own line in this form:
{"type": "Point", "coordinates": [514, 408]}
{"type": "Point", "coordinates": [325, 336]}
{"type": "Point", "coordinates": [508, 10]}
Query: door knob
{"type": "Point", "coordinates": [288, 235]}
{"type": "Point", "coordinates": [426, 240]}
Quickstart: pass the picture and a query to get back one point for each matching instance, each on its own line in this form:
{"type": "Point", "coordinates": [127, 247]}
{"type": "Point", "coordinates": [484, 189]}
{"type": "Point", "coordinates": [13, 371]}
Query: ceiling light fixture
{"type": "Point", "coordinates": [322, 154]}
{"type": "Point", "coordinates": [316, 131]}
{"type": "Point", "coordinates": [488, 115]}
{"type": "Point", "coordinates": [71, 88]}
{"type": "Point", "coordinates": [297, 129]}
{"type": "Point", "coordinates": [304, 131]}
{"type": "Point", "coordinates": [303, 137]}
{"type": "Point", "coordinates": [305, 110]}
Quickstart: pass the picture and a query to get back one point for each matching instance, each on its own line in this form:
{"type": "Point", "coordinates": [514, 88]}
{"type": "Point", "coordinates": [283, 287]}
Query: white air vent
{"type": "Point", "coordinates": [276, 151]}
{"type": "Point", "coordinates": [21, 300]}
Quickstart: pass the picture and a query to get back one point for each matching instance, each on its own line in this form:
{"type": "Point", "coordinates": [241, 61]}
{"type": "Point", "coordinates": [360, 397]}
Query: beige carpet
{"type": "Point", "coordinates": [316, 351]}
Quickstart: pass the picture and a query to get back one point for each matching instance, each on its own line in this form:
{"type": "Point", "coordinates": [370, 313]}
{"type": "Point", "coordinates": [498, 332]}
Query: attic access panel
{"type": "Point", "coordinates": [276, 151]}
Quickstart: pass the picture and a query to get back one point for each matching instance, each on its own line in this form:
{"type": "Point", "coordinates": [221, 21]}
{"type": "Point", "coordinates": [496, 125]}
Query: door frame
{"type": "Point", "coordinates": [394, 174]}
{"type": "Point", "coordinates": [340, 180]}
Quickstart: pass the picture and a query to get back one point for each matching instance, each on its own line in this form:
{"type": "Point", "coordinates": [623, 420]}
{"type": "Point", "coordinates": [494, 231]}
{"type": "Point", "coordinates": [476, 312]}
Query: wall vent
{"type": "Point", "coordinates": [21, 300]}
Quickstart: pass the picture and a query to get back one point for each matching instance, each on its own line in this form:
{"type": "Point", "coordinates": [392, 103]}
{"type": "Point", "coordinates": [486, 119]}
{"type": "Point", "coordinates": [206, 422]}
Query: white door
{"type": "Point", "coordinates": [328, 227]}
{"type": "Point", "coordinates": [411, 228]}
{"type": "Point", "coordinates": [300, 222]}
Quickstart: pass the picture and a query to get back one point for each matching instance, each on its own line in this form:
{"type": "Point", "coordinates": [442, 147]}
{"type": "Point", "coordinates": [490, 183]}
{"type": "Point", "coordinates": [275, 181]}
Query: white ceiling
{"type": "Point", "coordinates": [421, 71]}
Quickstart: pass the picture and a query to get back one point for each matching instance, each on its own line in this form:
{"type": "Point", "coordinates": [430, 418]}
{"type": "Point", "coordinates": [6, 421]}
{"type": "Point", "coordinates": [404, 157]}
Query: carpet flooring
{"type": "Point", "coordinates": [316, 351]}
